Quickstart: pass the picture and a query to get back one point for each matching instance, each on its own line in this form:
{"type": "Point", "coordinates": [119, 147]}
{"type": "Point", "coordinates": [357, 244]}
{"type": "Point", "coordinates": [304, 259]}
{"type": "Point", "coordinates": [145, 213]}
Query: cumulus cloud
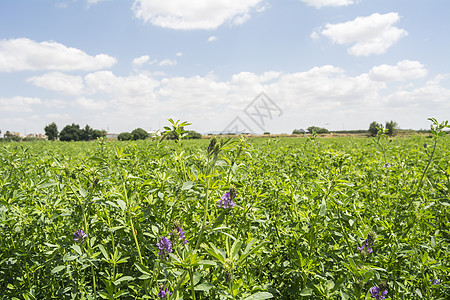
{"type": "Point", "coordinates": [59, 82]}
{"type": "Point", "coordinates": [18, 104]}
{"type": "Point", "coordinates": [24, 54]}
{"type": "Point", "coordinates": [90, 104]}
{"type": "Point", "coordinates": [188, 15]}
{"type": "Point", "coordinates": [402, 71]}
{"type": "Point", "coordinates": [140, 60]}
{"type": "Point", "coordinates": [370, 35]}
{"type": "Point", "coordinates": [321, 3]}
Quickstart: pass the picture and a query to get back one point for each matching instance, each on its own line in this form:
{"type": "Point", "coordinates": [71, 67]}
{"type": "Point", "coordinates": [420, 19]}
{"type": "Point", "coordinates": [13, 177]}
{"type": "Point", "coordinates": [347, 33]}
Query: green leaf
{"type": "Point", "coordinates": [143, 269]}
{"type": "Point", "coordinates": [187, 185]}
{"type": "Point", "coordinates": [77, 249]}
{"type": "Point", "coordinates": [103, 250]}
{"type": "Point", "coordinates": [124, 278]}
{"type": "Point", "coordinates": [306, 292]}
{"type": "Point", "coordinates": [58, 269]}
{"type": "Point", "coordinates": [203, 287]}
{"type": "Point", "coordinates": [259, 296]}
{"type": "Point", "coordinates": [219, 220]}
{"type": "Point", "coordinates": [344, 295]}
{"type": "Point", "coordinates": [122, 204]}
{"type": "Point", "coordinates": [323, 208]}
{"type": "Point", "coordinates": [47, 184]}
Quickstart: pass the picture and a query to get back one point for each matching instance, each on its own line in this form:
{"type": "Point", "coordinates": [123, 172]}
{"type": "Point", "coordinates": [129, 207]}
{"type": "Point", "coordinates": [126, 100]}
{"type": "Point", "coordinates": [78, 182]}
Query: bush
{"type": "Point", "coordinates": [318, 130]}
{"type": "Point", "coordinates": [392, 128]}
{"type": "Point", "coordinates": [124, 136]}
{"type": "Point", "coordinates": [373, 128]}
{"type": "Point", "coordinates": [139, 134]}
{"type": "Point", "coordinates": [193, 135]}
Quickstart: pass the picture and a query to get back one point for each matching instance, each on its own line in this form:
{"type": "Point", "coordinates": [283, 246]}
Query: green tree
{"type": "Point", "coordinates": [318, 130]}
{"type": "Point", "coordinates": [71, 133]}
{"type": "Point", "coordinates": [51, 131]}
{"type": "Point", "coordinates": [392, 128]}
{"type": "Point", "coordinates": [192, 135]}
{"type": "Point", "coordinates": [139, 134]}
{"type": "Point", "coordinates": [124, 136]}
{"type": "Point", "coordinates": [373, 128]}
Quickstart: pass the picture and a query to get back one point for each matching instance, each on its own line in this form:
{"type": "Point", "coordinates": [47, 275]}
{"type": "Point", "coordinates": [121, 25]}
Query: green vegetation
{"type": "Point", "coordinates": [288, 218]}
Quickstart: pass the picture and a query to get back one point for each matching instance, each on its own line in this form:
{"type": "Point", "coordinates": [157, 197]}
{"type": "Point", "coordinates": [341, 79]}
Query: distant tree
{"type": "Point", "coordinates": [139, 134]}
{"type": "Point", "coordinates": [266, 133]}
{"type": "Point", "coordinates": [317, 130]}
{"type": "Point", "coordinates": [7, 134]}
{"type": "Point", "coordinates": [86, 133]}
{"type": "Point", "coordinates": [373, 128]}
{"type": "Point", "coordinates": [392, 128]}
{"type": "Point", "coordinates": [193, 135]}
{"type": "Point", "coordinates": [298, 131]}
{"type": "Point", "coordinates": [71, 133]}
{"type": "Point", "coordinates": [51, 131]}
{"type": "Point", "coordinates": [96, 133]}
{"type": "Point", "coordinates": [124, 136]}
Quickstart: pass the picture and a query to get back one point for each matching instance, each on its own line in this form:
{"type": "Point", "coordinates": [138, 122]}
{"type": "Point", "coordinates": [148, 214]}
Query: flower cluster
{"type": "Point", "coordinates": [165, 247]}
{"type": "Point", "coordinates": [164, 292]}
{"type": "Point", "coordinates": [387, 165]}
{"type": "Point", "coordinates": [226, 201]}
{"type": "Point", "coordinates": [179, 231]}
{"type": "Point", "coordinates": [378, 293]}
{"type": "Point", "coordinates": [79, 236]}
{"type": "Point", "coordinates": [435, 281]}
{"type": "Point", "coordinates": [368, 243]}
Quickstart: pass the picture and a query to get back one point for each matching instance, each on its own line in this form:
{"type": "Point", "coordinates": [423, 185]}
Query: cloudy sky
{"type": "Point", "coordinates": [259, 65]}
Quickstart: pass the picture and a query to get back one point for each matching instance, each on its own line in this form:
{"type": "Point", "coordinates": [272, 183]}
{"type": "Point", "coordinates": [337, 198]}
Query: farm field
{"type": "Point", "coordinates": [283, 218]}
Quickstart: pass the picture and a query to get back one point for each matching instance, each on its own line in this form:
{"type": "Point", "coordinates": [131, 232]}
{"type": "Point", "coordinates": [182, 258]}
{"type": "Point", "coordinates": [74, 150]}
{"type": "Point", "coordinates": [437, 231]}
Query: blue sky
{"type": "Point", "coordinates": [120, 65]}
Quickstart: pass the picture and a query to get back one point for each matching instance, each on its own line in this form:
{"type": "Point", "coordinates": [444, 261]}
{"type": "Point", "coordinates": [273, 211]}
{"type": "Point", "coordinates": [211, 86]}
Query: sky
{"type": "Point", "coordinates": [223, 65]}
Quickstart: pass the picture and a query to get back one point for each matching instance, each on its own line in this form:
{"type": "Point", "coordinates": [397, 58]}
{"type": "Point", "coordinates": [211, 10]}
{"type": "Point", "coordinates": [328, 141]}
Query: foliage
{"type": "Point", "coordinates": [193, 135]}
{"type": "Point", "coordinates": [392, 128]}
{"type": "Point", "coordinates": [139, 134]}
{"type": "Point", "coordinates": [124, 136]}
{"type": "Point", "coordinates": [317, 130]}
{"type": "Point", "coordinates": [51, 131]}
{"type": "Point", "coordinates": [298, 131]}
{"type": "Point", "coordinates": [75, 133]}
{"type": "Point", "coordinates": [373, 128]}
{"type": "Point", "coordinates": [227, 219]}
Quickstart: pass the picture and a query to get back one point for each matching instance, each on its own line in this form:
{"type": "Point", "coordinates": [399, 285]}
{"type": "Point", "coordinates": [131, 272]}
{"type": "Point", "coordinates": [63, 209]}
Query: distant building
{"type": "Point", "coordinates": [37, 135]}
{"type": "Point", "coordinates": [112, 135]}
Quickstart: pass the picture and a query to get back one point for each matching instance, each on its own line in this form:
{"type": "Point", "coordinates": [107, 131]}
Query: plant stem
{"type": "Point", "coordinates": [133, 232]}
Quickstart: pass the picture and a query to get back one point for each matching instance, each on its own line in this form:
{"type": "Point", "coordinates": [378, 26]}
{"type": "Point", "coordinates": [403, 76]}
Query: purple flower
{"type": "Point", "coordinates": [370, 240]}
{"type": "Point", "coordinates": [164, 292]}
{"type": "Point", "coordinates": [165, 247]}
{"type": "Point", "coordinates": [80, 236]}
{"type": "Point", "coordinates": [177, 230]}
{"type": "Point", "coordinates": [435, 281]}
{"type": "Point", "coordinates": [377, 293]}
{"type": "Point", "coordinates": [387, 165]}
{"type": "Point", "coordinates": [226, 201]}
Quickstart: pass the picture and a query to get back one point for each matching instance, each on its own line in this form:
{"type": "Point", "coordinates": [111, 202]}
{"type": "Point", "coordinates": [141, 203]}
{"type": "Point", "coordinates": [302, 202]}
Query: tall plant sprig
{"type": "Point", "coordinates": [437, 130]}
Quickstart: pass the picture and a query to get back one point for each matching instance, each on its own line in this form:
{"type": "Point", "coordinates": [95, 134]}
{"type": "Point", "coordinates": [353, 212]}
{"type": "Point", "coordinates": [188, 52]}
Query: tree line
{"type": "Point", "coordinates": [72, 133]}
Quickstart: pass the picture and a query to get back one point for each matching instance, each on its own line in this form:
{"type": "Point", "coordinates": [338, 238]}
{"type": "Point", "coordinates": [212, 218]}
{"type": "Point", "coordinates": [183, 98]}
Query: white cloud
{"type": "Point", "coordinates": [59, 82]}
{"type": "Point", "coordinates": [370, 35]}
{"type": "Point", "coordinates": [179, 54]}
{"type": "Point", "coordinates": [131, 89]}
{"type": "Point", "coordinates": [321, 3]}
{"type": "Point", "coordinates": [139, 61]}
{"type": "Point", "coordinates": [168, 62]}
{"type": "Point", "coordinates": [56, 116]}
{"type": "Point", "coordinates": [18, 104]}
{"type": "Point", "coordinates": [188, 15]}
{"type": "Point", "coordinates": [212, 38]}
{"type": "Point", "coordinates": [90, 104]}
{"type": "Point", "coordinates": [402, 71]}
{"type": "Point", "coordinates": [25, 54]}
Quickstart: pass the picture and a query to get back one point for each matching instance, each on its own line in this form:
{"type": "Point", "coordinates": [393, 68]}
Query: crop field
{"type": "Point", "coordinates": [284, 218]}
